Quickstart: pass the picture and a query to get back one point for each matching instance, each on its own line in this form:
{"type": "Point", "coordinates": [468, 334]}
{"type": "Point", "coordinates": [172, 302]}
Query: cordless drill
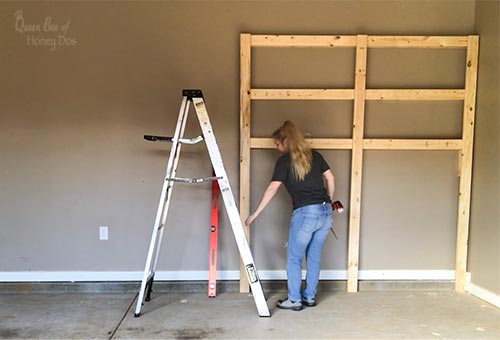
{"type": "Point", "coordinates": [337, 205]}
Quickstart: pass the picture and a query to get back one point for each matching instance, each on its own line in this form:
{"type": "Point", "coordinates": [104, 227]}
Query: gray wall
{"type": "Point", "coordinates": [484, 253]}
{"type": "Point", "coordinates": [72, 120]}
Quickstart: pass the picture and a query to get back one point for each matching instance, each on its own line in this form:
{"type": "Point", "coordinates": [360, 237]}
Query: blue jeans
{"type": "Point", "coordinates": [308, 230]}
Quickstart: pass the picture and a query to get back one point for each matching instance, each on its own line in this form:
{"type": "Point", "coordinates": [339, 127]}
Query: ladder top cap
{"type": "Point", "coordinates": [192, 93]}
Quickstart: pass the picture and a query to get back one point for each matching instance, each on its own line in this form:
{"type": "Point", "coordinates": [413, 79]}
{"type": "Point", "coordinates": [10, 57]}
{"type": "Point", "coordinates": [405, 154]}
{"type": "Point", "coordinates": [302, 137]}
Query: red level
{"type": "Point", "coordinates": [212, 252]}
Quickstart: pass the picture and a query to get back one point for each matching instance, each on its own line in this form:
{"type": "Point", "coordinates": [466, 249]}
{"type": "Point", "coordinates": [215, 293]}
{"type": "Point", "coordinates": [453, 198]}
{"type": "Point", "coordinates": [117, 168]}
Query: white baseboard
{"type": "Point", "coordinates": [202, 275]}
{"type": "Point", "coordinates": [483, 294]}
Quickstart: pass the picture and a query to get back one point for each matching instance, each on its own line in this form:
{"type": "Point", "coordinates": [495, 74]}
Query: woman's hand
{"type": "Point", "coordinates": [250, 219]}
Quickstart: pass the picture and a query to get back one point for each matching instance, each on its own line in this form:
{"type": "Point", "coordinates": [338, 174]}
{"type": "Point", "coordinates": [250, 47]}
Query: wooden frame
{"type": "Point", "coordinates": [358, 143]}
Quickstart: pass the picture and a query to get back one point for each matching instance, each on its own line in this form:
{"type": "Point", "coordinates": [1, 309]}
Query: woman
{"type": "Point", "coordinates": [302, 171]}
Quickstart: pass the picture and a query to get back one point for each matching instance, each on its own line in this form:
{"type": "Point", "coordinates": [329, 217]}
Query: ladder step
{"type": "Point", "coordinates": [193, 180]}
{"type": "Point", "coordinates": [152, 138]}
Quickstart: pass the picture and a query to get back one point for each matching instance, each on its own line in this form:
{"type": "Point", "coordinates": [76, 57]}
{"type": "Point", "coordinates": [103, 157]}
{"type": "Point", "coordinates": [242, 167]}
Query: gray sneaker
{"type": "Point", "coordinates": [287, 304]}
{"type": "Point", "coordinates": [309, 302]}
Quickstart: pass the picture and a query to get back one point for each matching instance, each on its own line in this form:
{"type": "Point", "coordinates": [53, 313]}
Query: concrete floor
{"type": "Point", "coordinates": [365, 315]}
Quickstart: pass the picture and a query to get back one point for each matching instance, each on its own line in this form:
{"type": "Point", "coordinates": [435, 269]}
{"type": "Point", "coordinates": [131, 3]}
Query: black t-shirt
{"type": "Point", "coordinates": [311, 190]}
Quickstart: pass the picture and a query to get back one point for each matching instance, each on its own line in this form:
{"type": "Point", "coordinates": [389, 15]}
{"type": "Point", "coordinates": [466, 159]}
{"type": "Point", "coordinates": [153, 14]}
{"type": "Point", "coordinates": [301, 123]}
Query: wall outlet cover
{"type": "Point", "coordinates": [103, 232]}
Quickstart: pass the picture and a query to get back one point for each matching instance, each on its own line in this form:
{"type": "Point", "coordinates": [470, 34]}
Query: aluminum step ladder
{"type": "Point", "coordinates": [196, 97]}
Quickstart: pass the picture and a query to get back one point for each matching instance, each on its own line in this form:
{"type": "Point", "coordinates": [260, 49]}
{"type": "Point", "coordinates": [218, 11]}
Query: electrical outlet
{"type": "Point", "coordinates": [103, 232]}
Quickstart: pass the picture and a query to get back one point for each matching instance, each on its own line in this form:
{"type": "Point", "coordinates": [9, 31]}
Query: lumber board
{"type": "Point", "coordinates": [303, 40]}
{"type": "Point", "coordinates": [245, 79]}
{"type": "Point", "coordinates": [415, 94]}
{"type": "Point", "coordinates": [412, 144]}
{"type": "Point", "coordinates": [348, 94]}
{"type": "Point", "coordinates": [410, 41]}
{"type": "Point", "coordinates": [374, 41]}
{"type": "Point", "coordinates": [466, 163]}
{"type": "Point", "coordinates": [314, 143]}
{"type": "Point", "coordinates": [301, 94]}
{"type": "Point", "coordinates": [357, 163]}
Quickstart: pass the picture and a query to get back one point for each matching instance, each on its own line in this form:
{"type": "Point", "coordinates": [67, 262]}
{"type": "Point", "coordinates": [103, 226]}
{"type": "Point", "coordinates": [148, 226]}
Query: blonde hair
{"type": "Point", "coordinates": [299, 150]}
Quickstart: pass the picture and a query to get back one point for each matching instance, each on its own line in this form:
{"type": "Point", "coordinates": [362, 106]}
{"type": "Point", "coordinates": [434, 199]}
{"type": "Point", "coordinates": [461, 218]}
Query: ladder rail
{"type": "Point", "coordinates": [231, 208]}
{"type": "Point", "coordinates": [171, 185]}
{"type": "Point", "coordinates": [159, 212]}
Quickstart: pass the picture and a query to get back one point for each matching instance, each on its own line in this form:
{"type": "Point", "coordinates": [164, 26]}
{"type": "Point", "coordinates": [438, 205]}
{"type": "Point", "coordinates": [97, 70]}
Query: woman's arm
{"type": "Point", "coordinates": [271, 190]}
{"type": "Point", "coordinates": [330, 183]}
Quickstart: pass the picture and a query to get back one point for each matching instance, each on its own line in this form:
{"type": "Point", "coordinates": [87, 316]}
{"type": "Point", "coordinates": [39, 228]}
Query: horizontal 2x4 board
{"type": "Point", "coordinates": [358, 143]}
{"type": "Point", "coordinates": [368, 144]}
{"type": "Point", "coordinates": [348, 94]}
{"type": "Point", "coordinates": [301, 94]}
{"type": "Point", "coordinates": [416, 94]}
{"type": "Point", "coordinates": [412, 144]}
{"type": "Point", "coordinates": [400, 41]}
{"type": "Point", "coordinates": [314, 143]}
{"type": "Point", "coordinates": [303, 40]}
{"type": "Point", "coordinates": [374, 41]}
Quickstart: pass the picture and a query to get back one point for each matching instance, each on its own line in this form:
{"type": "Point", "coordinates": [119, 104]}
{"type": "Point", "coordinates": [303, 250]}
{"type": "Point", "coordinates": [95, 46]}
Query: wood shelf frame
{"type": "Point", "coordinates": [357, 144]}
